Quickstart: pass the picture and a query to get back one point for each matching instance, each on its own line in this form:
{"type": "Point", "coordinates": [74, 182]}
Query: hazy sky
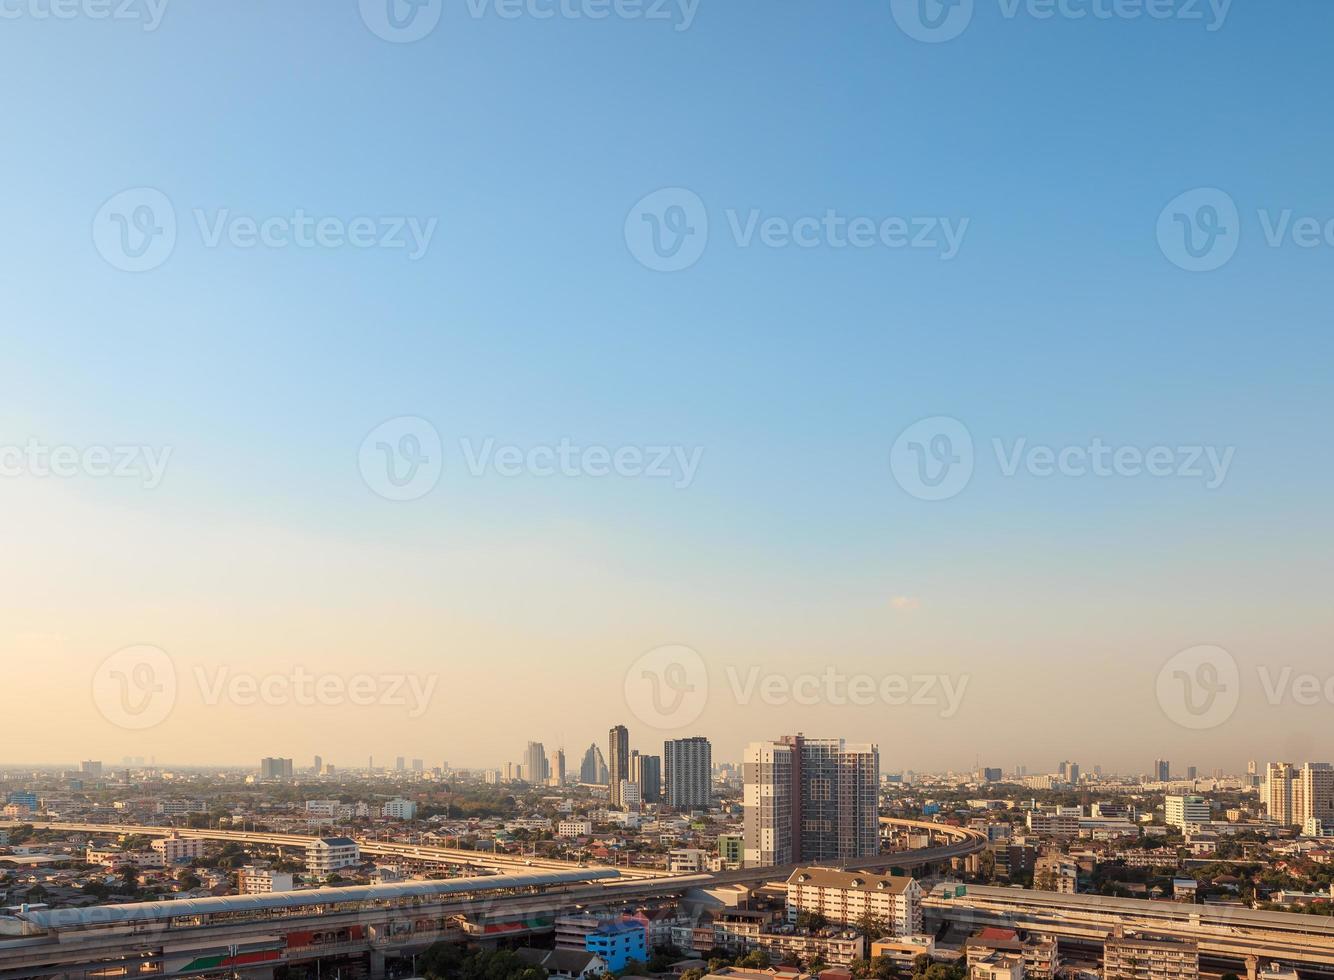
{"type": "Point", "coordinates": [1032, 159]}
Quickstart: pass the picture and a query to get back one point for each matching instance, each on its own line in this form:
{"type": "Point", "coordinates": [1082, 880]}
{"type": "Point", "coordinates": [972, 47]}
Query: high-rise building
{"type": "Point", "coordinates": [418, 765]}
{"type": "Point", "coordinates": [400, 764]}
{"type": "Point", "coordinates": [810, 800]}
{"type": "Point", "coordinates": [535, 764]}
{"type": "Point", "coordinates": [1192, 772]}
{"type": "Point", "coordinates": [618, 761]}
{"type": "Point", "coordinates": [91, 769]}
{"type": "Point", "coordinates": [646, 770]}
{"type": "Point", "coordinates": [1293, 796]}
{"type": "Point", "coordinates": [275, 769]}
{"type": "Point", "coordinates": [1162, 771]}
{"type": "Point", "coordinates": [593, 768]}
{"type": "Point", "coordinates": [319, 765]}
{"type": "Point", "coordinates": [687, 772]}
{"type": "Point", "coordinates": [556, 768]}
{"type": "Point", "coordinates": [1070, 773]}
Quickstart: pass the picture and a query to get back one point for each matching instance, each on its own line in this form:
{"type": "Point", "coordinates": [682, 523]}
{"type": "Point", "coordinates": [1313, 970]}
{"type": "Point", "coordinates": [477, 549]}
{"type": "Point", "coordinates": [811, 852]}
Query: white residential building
{"type": "Point", "coordinates": [255, 880]}
{"type": "Point", "coordinates": [174, 849]}
{"type": "Point", "coordinates": [400, 810]}
{"type": "Point", "coordinates": [330, 854]}
{"type": "Point", "coordinates": [1182, 810]}
{"type": "Point", "coordinates": [847, 897]}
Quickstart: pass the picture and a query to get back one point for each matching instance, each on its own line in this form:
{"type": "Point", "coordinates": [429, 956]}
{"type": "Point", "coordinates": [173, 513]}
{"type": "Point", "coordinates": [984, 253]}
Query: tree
{"type": "Point", "coordinates": [871, 925]}
{"type": "Point", "coordinates": [812, 921]}
{"type": "Point", "coordinates": [129, 877]}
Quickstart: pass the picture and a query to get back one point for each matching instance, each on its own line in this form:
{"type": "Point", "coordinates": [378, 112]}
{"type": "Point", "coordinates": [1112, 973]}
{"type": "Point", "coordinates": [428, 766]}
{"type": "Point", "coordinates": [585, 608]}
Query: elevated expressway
{"type": "Point", "coordinates": [422, 852]}
{"type": "Point", "coordinates": [1224, 934]}
{"type": "Point", "coordinates": [162, 939]}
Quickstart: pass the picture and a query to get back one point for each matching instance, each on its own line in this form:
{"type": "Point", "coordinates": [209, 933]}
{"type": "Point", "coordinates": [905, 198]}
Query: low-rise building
{"type": "Point", "coordinates": [617, 944]}
{"type": "Point", "coordinates": [258, 880]}
{"type": "Point", "coordinates": [1038, 957]}
{"type": "Point", "coordinates": [848, 898]}
{"type": "Point", "coordinates": [574, 828]}
{"type": "Point", "coordinates": [1150, 959]}
{"type": "Point", "coordinates": [329, 854]}
{"type": "Point", "coordinates": [175, 848]}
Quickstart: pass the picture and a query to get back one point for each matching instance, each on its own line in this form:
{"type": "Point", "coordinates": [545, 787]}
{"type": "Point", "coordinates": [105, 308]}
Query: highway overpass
{"type": "Point", "coordinates": [456, 857]}
{"type": "Point", "coordinates": [253, 935]}
{"type": "Point", "coordinates": [1223, 933]}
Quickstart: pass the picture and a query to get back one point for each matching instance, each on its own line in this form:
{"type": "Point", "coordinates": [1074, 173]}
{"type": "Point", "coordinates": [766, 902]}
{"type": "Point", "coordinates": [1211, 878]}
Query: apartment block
{"type": "Point", "coordinates": [848, 897]}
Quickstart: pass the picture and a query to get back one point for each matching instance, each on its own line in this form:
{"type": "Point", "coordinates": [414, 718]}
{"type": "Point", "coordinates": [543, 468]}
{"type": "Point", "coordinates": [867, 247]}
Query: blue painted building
{"type": "Point", "coordinates": [617, 943]}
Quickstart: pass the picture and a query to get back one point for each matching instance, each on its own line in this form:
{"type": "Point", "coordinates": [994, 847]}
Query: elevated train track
{"type": "Point", "coordinates": [252, 935]}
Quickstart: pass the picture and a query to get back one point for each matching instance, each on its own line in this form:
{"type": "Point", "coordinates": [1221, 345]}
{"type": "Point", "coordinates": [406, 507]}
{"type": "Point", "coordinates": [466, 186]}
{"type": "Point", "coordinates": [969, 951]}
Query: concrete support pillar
{"type": "Point", "coordinates": [377, 965]}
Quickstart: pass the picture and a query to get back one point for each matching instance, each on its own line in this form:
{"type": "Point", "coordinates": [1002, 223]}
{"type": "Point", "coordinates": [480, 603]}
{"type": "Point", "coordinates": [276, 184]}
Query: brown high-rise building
{"type": "Point", "coordinates": [618, 761]}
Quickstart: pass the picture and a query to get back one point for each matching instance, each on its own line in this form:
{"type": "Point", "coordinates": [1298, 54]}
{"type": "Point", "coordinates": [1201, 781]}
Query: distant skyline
{"type": "Point", "coordinates": [629, 384]}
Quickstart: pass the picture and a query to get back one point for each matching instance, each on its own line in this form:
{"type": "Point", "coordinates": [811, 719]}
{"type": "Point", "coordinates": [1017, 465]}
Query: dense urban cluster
{"type": "Point", "coordinates": [819, 812]}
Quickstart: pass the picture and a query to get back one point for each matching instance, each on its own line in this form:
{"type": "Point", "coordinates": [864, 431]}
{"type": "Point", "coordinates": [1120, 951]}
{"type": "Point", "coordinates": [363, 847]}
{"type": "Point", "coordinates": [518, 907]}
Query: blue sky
{"type": "Point", "coordinates": [794, 370]}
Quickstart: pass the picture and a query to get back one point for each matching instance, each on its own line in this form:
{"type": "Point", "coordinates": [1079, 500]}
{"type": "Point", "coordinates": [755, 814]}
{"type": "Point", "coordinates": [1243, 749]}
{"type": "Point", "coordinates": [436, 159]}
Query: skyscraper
{"type": "Point", "coordinates": [535, 764]}
{"type": "Point", "coordinates": [688, 772]}
{"type": "Point", "coordinates": [593, 769]}
{"type": "Point", "coordinates": [647, 772]}
{"type": "Point", "coordinates": [810, 800]}
{"type": "Point", "coordinates": [556, 768]}
{"type": "Point", "coordinates": [1293, 796]}
{"type": "Point", "coordinates": [618, 761]}
{"type": "Point", "coordinates": [275, 768]}
{"type": "Point", "coordinates": [1162, 771]}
